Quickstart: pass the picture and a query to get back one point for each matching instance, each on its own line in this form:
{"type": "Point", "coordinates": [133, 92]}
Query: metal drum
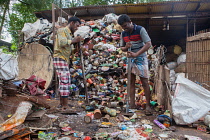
{"type": "Point", "coordinates": [36, 59]}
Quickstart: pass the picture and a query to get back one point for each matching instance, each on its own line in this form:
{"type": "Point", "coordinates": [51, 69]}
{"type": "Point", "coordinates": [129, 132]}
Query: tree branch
{"type": "Point", "coordinates": [23, 2]}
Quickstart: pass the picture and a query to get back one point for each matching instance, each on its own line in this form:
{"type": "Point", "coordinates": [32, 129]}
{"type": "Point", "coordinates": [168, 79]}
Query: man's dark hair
{"type": "Point", "coordinates": [74, 19]}
{"type": "Point", "coordinates": [123, 18]}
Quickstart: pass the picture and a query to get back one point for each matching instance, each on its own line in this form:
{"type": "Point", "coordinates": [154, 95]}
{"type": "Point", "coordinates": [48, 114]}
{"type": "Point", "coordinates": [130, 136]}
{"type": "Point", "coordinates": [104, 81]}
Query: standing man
{"type": "Point", "coordinates": [136, 38]}
{"type": "Point", "coordinates": [62, 51]}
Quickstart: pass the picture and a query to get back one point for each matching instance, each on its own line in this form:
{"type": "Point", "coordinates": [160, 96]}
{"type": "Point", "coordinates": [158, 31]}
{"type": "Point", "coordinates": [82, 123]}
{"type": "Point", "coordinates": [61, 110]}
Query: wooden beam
{"type": "Point", "coordinates": [198, 6]}
{"type": "Point", "coordinates": [88, 12]}
{"type": "Point", "coordinates": [126, 10]}
{"type": "Point", "coordinates": [149, 8]}
{"type": "Point", "coordinates": [105, 10]}
{"type": "Point", "coordinates": [172, 9]}
{"type": "Point", "coordinates": [71, 13]}
{"type": "Point", "coordinates": [163, 15]}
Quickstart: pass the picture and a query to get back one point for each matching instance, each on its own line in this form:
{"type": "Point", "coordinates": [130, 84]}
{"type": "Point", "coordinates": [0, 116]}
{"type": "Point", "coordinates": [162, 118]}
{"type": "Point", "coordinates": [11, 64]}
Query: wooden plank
{"type": "Point", "coordinates": [36, 115]}
{"type": "Point", "coordinates": [159, 85]}
{"type": "Point", "coordinates": [167, 90]}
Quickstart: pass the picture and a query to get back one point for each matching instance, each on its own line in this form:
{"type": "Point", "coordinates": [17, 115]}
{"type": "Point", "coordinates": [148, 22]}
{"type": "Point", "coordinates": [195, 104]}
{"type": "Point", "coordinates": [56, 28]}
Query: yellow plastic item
{"type": "Point", "coordinates": [177, 49]}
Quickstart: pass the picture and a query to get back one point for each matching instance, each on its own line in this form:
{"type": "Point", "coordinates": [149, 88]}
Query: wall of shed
{"type": "Point", "coordinates": [198, 59]}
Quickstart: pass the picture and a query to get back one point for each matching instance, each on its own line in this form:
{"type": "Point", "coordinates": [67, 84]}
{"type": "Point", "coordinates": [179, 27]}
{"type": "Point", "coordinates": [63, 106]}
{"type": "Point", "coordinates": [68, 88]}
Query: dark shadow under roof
{"type": "Point", "coordinates": [192, 13]}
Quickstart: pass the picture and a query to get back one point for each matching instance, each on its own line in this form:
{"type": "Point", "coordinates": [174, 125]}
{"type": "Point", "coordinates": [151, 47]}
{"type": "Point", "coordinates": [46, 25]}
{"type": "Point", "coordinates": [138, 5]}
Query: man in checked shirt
{"type": "Point", "coordinates": [62, 51]}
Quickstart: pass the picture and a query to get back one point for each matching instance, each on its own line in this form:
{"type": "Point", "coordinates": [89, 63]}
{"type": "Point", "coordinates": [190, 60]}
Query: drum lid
{"type": "Point", "coordinates": [35, 59]}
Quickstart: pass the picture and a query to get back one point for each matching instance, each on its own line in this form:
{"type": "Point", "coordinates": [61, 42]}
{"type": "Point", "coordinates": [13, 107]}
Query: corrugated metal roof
{"type": "Point", "coordinates": [204, 6]}
{"type": "Point", "coordinates": [155, 8]}
{"type": "Point", "coordinates": [150, 15]}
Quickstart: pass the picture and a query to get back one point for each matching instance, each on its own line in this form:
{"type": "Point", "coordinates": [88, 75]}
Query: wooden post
{"type": "Point", "coordinates": [128, 84]}
{"type": "Point", "coordinates": [53, 26]}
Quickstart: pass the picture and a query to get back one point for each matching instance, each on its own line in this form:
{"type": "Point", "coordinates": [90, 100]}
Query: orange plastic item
{"type": "Point", "coordinates": [87, 138]}
{"type": "Point", "coordinates": [89, 81]}
{"type": "Point", "coordinates": [166, 124]}
{"type": "Point", "coordinates": [18, 118]}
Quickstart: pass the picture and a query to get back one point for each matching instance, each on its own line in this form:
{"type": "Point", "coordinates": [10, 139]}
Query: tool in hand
{"type": "Point", "coordinates": [128, 83]}
{"type": "Point", "coordinates": [83, 72]}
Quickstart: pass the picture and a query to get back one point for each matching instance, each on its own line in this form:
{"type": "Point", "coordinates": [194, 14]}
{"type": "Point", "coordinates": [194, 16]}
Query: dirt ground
{"type": "Point", "coordinates": [75, 119]}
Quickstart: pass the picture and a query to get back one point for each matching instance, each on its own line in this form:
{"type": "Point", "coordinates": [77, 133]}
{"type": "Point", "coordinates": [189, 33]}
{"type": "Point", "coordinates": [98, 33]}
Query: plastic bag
{"type": "Point", "coordinates": [172, 65]}
{"type": "Point", "coordinates": [109, 18]}
{"type": "Point", "coordinates": [39, 27]}
{"type": "Point", "coordinates": [83, 31]}
{"type": "Point", "coordinates": [181, 58]}
{"type": "Point", "coordinates": [8, 66]}
{"type": "Point", "coordinates": [191, 101]}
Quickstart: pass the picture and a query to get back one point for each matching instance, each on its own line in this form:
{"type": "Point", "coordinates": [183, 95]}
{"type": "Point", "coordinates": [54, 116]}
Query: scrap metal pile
{"type": "Point", "coordinates": [106, 81]}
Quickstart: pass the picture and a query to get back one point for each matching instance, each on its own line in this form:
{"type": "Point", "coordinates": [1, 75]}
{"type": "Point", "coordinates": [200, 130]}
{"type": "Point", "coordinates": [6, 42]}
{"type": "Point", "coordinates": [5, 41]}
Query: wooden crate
{"type": "Point", "coordinates": [198, 59]}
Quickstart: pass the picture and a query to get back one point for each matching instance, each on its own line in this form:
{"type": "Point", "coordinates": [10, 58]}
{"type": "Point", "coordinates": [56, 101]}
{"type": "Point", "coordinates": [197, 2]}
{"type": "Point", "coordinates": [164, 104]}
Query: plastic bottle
{"type": "Point", "coordinates": [159, 124]}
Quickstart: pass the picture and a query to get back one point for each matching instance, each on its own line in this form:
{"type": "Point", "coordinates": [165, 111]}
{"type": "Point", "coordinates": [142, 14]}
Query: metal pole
{"type": "Point", "coordinates": [83, 73]}
{"type": "Point", "coordinates": [128, 83]}
{"type": "Point", "coordinates": [53, 27]}
{"type": "Point", "coordinates": [194, 26]}
{"type": "Point", "coordinates": [187, 30]}
{"type": "Point", "coordinates": [53, 22]}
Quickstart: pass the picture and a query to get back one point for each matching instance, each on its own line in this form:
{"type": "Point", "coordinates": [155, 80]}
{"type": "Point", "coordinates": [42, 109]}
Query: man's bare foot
{"type": "Point", "coordinates": [148, 111]}
{"type": "Point", "coordinates": [65, 108]}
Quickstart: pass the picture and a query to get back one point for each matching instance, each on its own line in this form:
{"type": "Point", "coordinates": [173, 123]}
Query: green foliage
{"type": "Point", "coordinates": [9, 50]}
{"type": "Point", "coordinates": [128, 1]}
{"type": "Point", "coordinates": [13, 48]}
{"type": "Point", "coordinates": [2, 2]}
{"type": "Point", "coordinates": [24, 13]}
{"type": "Point", "coordinates": [73, 3]}
{"type": "Point", "coordinates": [95, 2]}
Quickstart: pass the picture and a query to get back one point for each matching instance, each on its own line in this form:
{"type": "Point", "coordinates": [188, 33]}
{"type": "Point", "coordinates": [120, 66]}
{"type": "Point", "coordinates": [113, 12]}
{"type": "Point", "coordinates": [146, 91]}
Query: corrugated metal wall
{"type": "Point", "coordinates": [198, 59]}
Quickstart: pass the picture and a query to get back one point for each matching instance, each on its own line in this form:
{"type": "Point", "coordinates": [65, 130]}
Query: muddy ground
{"type": "Point", "coordinates": [75, 119]}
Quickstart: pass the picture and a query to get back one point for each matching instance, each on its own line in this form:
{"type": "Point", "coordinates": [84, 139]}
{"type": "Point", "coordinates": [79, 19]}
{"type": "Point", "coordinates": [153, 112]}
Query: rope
{"type": "Point", "coordinates": [5, 62]}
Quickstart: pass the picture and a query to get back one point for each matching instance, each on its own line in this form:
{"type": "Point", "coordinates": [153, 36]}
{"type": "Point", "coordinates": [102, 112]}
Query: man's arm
{"type": "Point", "coordinates": [63, 41]}
{"type": "Point", "coordinates": [146, 39]}
{"type": "Point", "coordinates": [142, 50]}
{"type": "Point", "coordinates": [124, 46]}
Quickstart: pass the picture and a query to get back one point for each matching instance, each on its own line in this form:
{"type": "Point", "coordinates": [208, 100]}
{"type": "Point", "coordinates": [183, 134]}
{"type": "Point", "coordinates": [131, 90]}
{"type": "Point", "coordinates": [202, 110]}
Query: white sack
{"type": "Point", "coordinates": [109, 18]}
{"type": "Point", "coordinates": [83, 31]}
{"type": "Point", "coordinates": [191, 101]}
{"type": "Point", "coordinates": [109, 47]}
{"type": "Point", "coordinates": [8, 66]}
{"type": "Point", "coordinates": [172, 76]}
{"type": "Point", "coordinates": [172, 65]}
{"type": "Point", "coordinates": [207, 120]}
{"type": "Point", "coordinates": [38, 27]}
{"type": "Point", "coordinates": [181, 58]}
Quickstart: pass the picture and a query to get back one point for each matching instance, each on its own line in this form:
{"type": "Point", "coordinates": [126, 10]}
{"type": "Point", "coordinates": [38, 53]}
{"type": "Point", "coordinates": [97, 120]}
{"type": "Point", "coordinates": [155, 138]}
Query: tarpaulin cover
{"type": "Point", "coordinates": [191, 101]}
{"type": "Point", "coordinates": [8, 66]}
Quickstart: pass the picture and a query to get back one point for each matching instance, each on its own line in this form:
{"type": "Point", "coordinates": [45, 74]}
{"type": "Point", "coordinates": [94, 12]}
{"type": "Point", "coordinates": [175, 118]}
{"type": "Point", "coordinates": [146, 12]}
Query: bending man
{"type": "Point", "coordinates": [137, 38]}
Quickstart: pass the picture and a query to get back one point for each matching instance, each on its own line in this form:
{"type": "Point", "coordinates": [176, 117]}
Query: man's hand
{"type": "Point", "coordinates": [128, 45]}
{"type": "Point", "coordinates": [76, 40]}
{"type": "Point", "coordinates": [131, 54]}
{"type": "Point", "coordinates": [125, 48]}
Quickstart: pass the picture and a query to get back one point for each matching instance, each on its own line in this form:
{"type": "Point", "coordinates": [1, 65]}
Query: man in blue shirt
{"type": "Point", "coordinates": [136, 38]}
